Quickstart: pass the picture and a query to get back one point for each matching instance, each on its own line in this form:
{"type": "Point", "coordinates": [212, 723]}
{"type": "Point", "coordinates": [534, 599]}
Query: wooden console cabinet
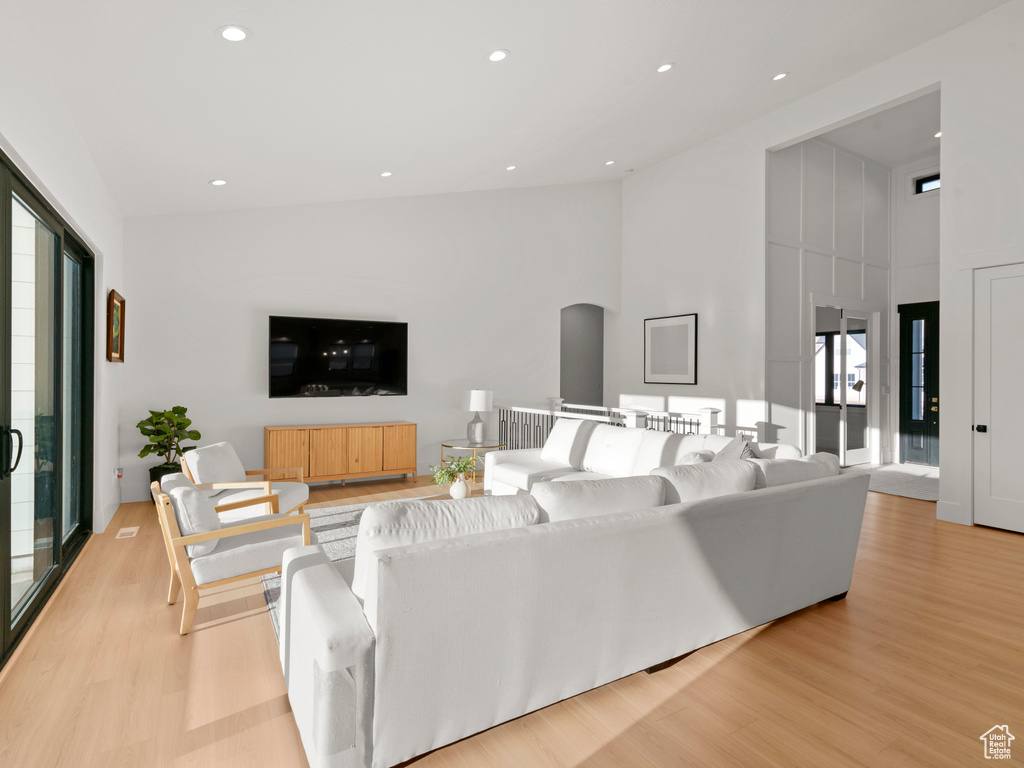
{"type": "Point", "coordinates": [342, 451]}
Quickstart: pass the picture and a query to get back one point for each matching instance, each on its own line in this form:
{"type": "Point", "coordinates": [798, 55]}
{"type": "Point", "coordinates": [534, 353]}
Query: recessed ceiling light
{"type": "Point", "coordinates": [386, 174]}
{"type": "Point", "coordinates": [610, 162]}
{"type": "Point", "coordinates": [510, 168]}
{"type": "Point", "coordinates": [938, 135]}
{"type": "Point", "coordinates": [780, 75]}
{"type": "Point", "coordinates": [218, 182]}
{"type": "Point", "coordinates": [233, 33]}
{"type": "Point", "coordinates": [666, 66]}
{"type": "Point", "coordinates": [498, 55]}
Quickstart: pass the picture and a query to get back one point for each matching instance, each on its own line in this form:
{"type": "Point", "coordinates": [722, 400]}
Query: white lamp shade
{"type": "Point", "coordinates": [478, 400]}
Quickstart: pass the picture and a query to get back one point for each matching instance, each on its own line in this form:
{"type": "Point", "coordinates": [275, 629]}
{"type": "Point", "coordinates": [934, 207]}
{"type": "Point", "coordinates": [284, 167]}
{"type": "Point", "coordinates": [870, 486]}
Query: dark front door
{"type": "Point", "coordinates": [919, 383]}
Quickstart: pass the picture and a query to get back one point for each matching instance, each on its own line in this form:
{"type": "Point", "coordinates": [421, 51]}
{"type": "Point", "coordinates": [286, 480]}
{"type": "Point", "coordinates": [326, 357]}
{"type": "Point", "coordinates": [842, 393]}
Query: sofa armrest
{"type": "Point", "coordinates": [493, 458]}
{"type": "Point", "coordinates": [329, 663]}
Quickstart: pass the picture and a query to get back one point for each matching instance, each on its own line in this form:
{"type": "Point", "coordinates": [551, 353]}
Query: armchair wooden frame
{"type": "Point", "coordinates": [182, 578]}
{"type": "Point", "coordinates": [287, 474]}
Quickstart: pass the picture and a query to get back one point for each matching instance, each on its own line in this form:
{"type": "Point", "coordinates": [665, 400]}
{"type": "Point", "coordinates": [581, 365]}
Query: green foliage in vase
{"type": "Point", "coordinates": [448, 471]}
{"type": "Point", "coordinates": [165, 431]}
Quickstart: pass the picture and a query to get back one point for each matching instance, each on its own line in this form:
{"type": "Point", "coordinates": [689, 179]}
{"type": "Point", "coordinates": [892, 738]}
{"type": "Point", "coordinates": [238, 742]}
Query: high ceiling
{"type": "Point", "coordinates": [901, 134]}
{"type": "Point", "coordinates": [325, 95]}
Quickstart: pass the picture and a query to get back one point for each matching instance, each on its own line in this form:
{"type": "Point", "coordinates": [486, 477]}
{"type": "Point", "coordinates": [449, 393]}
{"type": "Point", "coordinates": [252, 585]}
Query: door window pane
{"type": "Point", "coordinates": [34, 483]}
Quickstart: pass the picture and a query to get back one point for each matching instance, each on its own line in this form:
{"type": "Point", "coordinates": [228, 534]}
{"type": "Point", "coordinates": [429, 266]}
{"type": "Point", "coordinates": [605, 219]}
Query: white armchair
{"type": "Point", "coordinates": [205, 553]}
{"type": "Point", "coordinates": [217, 468]}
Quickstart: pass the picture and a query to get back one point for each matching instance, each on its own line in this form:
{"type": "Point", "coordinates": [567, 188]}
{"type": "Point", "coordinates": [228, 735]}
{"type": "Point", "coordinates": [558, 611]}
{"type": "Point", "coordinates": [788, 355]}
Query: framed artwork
{"type": "Point", "coordinates": [670, 350]}
{"type": "Point", "coordinates": [115, 327]}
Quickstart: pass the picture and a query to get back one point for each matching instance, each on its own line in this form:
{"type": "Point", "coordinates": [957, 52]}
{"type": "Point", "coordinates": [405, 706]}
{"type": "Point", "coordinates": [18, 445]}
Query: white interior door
{"type": "Point", "coordinates": [998, 412]}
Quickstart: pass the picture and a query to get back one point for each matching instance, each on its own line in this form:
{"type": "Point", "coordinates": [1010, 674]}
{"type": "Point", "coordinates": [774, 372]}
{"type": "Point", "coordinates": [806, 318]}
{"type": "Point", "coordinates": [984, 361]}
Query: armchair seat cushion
{"type": "Point", "coordinates": [289, 496]}
{"type": "Point", "coordinates": [247, 552]}
{"type": "Point", "coordinates": [524, 473]}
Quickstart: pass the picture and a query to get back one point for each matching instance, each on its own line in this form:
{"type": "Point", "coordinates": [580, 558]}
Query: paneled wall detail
{"type": "Point", "coordinates": [828, 237]}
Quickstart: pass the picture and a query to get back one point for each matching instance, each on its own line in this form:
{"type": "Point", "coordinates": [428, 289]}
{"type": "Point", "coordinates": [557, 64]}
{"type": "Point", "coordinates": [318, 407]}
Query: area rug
{"type": "Point", "coordinates": [335, 529]}
{"type": "Point", "coordinates": [913, 481]}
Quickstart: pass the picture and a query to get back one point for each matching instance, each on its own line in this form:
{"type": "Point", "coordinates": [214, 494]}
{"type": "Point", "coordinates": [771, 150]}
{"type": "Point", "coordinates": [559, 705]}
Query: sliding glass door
{"type": "Point", "coordinates": [45, 402]}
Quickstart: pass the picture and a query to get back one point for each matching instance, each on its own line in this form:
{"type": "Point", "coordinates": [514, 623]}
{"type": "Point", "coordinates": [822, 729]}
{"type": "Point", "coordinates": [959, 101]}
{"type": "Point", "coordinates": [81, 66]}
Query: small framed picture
{"type": "Point", "coordinates": [115, 327]}
{"type": "Point", "coordinates": [670, 350]}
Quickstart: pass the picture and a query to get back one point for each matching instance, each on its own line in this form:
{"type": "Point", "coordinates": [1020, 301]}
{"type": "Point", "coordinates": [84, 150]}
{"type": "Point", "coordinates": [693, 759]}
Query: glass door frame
{"type": "Point", "coordinates": [12, 182]}
{"type": "Point", "coordinates": [871, 453]}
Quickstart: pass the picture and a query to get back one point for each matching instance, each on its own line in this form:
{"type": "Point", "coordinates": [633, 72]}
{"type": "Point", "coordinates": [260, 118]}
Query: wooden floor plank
{"type": "Point", "coordinates": [922, 658]}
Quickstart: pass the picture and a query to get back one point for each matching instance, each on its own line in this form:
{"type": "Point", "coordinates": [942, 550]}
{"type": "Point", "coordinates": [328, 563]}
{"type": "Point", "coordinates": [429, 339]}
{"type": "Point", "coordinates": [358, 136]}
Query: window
{"type": "Point", "coordinates": [927, 184]}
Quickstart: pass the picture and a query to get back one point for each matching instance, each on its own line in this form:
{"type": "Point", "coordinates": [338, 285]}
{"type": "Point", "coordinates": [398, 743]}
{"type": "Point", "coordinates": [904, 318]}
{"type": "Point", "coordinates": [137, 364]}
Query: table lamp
{"type": "Point", "coordinates": [477, 400]}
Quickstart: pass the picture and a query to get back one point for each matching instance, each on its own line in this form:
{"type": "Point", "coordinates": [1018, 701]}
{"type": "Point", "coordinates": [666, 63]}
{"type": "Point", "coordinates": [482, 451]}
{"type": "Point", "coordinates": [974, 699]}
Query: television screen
{"type": "Point", "coordinates": [318, 357]}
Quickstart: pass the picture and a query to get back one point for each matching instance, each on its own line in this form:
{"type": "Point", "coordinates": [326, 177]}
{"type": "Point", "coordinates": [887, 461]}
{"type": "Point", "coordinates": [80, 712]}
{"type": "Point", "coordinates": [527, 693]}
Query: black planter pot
{"type": "Point", "coordinates": [155, 473]}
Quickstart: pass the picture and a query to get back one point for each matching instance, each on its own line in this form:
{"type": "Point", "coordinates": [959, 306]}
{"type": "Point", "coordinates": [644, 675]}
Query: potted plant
{"type": "Point", "coordinates": [166, 430]}
{"type": "Point", "coordinates": [452, 471]}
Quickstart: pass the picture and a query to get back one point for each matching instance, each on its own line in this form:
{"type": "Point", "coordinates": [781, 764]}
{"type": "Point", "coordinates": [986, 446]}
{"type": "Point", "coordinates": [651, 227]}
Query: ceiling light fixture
{"type": "Point", "coordinates": [498, 55]}
{"type": "Point", "coordinates": [938, 135]}
{"type": "Point", "coordinates": [610, 162]}
{"type": "Point", "coordinates": [510, 168]}
{"type": "Point", "coordinates": [386, 174]}
{"type": "Point", "coordinates": [218, 182]}
{"type": "Point", "coordinates": [666, 66]}
{"type": "Point", "coordinates": [780, 75]}
{"type": "Point", "coordinates": [233, 33]}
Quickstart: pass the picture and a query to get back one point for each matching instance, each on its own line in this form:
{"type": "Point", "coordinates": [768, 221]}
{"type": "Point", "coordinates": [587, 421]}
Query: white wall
{"type": "Point", "coordinates": [687, 226]}
{"type": "Point", "coordinates": [37, 133]}
{"type": "Point", "coordinates": [828, 245]}
{"type": "Point", "coordinates": [915, 255]}
{"type": "Point", "coordinates": [693, 226]}
{"type": "Point", "coordinates": [480, 278]}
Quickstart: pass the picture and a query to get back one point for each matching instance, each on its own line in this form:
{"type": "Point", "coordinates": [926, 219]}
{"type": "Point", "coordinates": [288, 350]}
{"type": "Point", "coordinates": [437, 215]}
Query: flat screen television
{"type": "Point", "coordinates": [320, 357]}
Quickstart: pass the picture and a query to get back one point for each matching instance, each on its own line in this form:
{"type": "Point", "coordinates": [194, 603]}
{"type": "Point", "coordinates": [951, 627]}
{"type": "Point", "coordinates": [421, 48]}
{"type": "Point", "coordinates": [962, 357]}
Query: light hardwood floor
{"type": "Point", "coordinates": [925, 655]}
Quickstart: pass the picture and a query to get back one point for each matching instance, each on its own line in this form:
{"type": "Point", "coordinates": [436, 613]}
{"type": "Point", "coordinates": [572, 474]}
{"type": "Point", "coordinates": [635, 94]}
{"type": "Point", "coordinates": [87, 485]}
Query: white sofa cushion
{"type": "Point", "coordinates": [195, 514]}
{"type": "Point", "coordinates": [216, 463]}
{"type": "Point", "coordinates": [657, 449]}
{"type": "Point", "coordinates": [612, 450]}
{"type": "Point", "coordinates": [398, 523]}
{"type": "Point", "coordinates": [524, 473]}
{"type": "Point", "coordinates": [567, 442]}
{"type": "Point", "coordinates": [574, 477]}
{"type": "Point", "coordinates": [590, 498]}
{"type": "Point", "coordinates": [690, 482]}
{"type": "Point", "coordinates": [769, 473]}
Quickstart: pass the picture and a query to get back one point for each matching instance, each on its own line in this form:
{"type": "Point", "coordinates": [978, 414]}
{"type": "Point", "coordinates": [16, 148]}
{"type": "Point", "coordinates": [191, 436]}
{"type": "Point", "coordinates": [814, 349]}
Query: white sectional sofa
{"type": "Point", "coordinates": [578, 449]}
{"type": "Point", "coordinates": [465, 614]}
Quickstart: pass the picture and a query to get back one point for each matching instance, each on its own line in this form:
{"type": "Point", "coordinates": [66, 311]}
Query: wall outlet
{"type": "Point", "coordinates": [118, 473]}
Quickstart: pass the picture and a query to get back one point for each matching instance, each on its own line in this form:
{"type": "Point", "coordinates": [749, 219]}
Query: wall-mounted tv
{"type": "Point", "coordinates": [319, 357]}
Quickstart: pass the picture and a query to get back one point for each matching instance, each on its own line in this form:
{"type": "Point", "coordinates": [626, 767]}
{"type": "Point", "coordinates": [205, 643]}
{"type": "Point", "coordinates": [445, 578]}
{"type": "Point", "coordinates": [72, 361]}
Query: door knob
{"type": "Point", "coordinates": [982, 428]}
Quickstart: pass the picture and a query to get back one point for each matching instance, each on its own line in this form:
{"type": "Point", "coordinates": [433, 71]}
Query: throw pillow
{"type": "Point", "coordinates": [195, 514]}
{"type": "Point", "coordinates": [689, 482]}
{"type": "Point", "coordinates": [737, 448]}
{"type": "Point", "coordinates": [696, 457]}
{"type": "Point", "coordinates": [398, 523]}
{"type": "Point", "coordinates": [573, 499]}
{"type": "Point", "coordinates": [567, 442]}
